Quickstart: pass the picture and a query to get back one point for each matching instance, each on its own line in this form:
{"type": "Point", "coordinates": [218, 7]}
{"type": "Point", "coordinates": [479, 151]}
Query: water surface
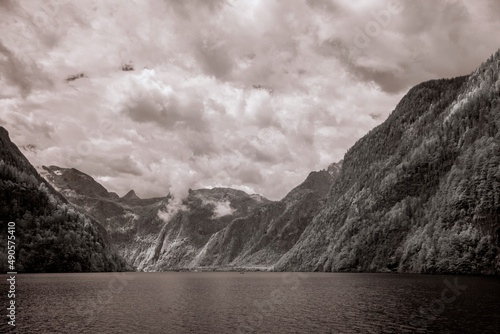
{"type": "Point", "coordinates": [190, 302]}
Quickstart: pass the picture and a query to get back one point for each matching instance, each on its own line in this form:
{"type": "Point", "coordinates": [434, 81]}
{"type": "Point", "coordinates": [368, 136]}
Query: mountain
{"type": "Point", "coordinates": [131, 196]}
{"type": "Point", "coordinates": [214, 228]}
{"type": "Point", "coordinates": [157, 232]}
{"type": "Point", "coordinates": [51, 235]}
{"type": "Point", "coordinates": [132, 223]}
{"type": "Point", "coordinates": [262, 237]}
{"type": "Point", "coordinates": [419, 193]}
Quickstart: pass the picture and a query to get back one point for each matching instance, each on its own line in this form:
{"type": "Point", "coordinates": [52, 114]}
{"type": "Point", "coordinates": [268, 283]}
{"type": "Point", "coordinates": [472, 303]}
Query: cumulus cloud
{"type": "Point", "coordinates": [251, 95]}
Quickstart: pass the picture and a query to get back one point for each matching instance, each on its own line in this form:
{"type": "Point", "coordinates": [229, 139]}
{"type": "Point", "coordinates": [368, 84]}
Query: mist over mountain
{"type": "Point", "coordinates": [51, 235]}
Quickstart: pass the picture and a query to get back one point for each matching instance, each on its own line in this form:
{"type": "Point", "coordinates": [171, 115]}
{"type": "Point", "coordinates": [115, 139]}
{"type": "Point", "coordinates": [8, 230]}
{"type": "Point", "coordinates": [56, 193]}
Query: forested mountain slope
{"type": "Point", "coordinates": [419, 193]}
{"type": "Point", "coordinates": [51, 234]}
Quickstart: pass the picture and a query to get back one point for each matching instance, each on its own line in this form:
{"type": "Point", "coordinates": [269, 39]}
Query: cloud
{"type": "Point", "coordinates": [223, 209]}
{"type": "Point", "coordinates": [251, 95]}
{"type": "Point", "coordinates": [151, 100]}
{"type": "Point", "coordinates": [16, 73]}
{"type": "Point", "coordinates": [399, 48]}
{"type": "Point", "coordinates": [126, 165]}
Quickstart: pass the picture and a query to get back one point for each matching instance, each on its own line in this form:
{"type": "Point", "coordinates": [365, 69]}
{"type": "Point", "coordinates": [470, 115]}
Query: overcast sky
{"type": "Point", "coordinates": [251, 95]}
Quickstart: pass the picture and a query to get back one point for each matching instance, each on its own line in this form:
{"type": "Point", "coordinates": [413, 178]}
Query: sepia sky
{"type": "Point", "coordinates": [251, 95]}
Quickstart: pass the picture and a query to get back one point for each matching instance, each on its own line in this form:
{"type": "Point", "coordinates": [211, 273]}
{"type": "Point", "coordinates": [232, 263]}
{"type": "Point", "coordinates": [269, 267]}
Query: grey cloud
{"type": "Point", "coordinates": [249, 175]}
{"type": "Point", "coordinates": [167, 112]}
{"type": "Point", "coordinates": [325, 5]}
{"type": "Point", "coordinates": [389, 81]}
{"type": "Point", "coordinates": [7, 4]}
{"type": "Point", "coordinates": [189, 8]}
{"type": "Point", "coordinates": [257, 155]}
{"type": "Point", "coordinates": [215, 59]}
{"type": "Point", "coordinates": [125, 165]}
{"type": "Point", "coordinates": [200, 143]}
{"type": "Point", "coordinates": [35, 130]}
{"type": "Point", "coordinates": [26, 76]}
{"type": "Point", "coordinates": [494, 9]}
{"type": "Point", "coordinates": [410, 47]}
{"type": "Point", "coordinates": [420, 17]}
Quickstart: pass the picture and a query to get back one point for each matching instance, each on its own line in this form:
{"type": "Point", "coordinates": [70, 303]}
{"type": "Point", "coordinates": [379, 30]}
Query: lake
{"type": "Point", "coordinates": [254, 302]}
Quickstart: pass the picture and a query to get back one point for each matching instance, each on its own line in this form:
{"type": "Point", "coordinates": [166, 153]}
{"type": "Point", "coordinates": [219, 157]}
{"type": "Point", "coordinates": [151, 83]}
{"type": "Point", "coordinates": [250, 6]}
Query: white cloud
{"type": "Point", "coordinates": [223, 209]}
{"type": "Point", "coordinates": [249, 95]}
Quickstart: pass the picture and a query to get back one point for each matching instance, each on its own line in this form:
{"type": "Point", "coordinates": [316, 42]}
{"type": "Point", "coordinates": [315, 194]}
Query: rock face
{"type": "Point", "coordinates": [419, 193]}
{"type": "Point", "coordinates": [51, 234]}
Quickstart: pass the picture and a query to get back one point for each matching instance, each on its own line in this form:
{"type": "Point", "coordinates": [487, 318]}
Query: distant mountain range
{"type": "Point", "coordinates": [420, 193]}
{"type": "Point", "coordinates": [213, 228]}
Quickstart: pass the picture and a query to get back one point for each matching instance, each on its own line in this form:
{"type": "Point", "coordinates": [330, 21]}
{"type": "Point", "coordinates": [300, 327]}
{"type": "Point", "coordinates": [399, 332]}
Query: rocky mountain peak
{"type": "Point", "coordinates": [334, 168]}
{"type": "Point", "coordinates": [131, 195]}
{"type": "Point", "coordinates": [73, 179]}
{"type": "Point", "coordinates": [4, 134]}
{"type": "Point", "coordinates": [319, 182]}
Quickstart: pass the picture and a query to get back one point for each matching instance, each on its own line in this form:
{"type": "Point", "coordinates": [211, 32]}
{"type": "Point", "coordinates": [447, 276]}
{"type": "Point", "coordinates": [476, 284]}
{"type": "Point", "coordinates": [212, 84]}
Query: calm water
{"type": "Point", "coordinates": [181, 302]}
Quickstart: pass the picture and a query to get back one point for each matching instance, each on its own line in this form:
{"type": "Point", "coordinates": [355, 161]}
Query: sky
{"type": "Point", "coordinates": [166, 96]}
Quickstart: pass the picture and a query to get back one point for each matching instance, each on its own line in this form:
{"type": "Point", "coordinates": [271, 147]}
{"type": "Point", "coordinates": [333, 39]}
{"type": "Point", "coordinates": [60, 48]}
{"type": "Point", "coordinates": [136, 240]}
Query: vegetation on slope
{"type": "Point", "coordinates": [421, 192]}
{"type": "Point", "coordinates": [51, 235]}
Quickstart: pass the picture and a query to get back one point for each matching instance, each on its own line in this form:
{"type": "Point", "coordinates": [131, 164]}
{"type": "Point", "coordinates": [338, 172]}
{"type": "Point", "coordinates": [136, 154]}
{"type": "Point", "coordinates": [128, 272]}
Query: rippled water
{"type": "Point", "coordinates": [182, 302]}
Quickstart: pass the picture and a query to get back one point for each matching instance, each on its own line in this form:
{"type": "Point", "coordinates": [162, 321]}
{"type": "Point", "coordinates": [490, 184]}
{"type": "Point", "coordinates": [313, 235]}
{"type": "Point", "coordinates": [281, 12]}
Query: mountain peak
{"type": "Point", "coordinates": [3, 132]}
{"type": "Point", "coordinates": [319, 182]}
{"type": "Point", "coordinates": [131, 195]}
{"type": "Point", "coordinates": [73, 179]}
{"type": "Point", "coordinates": [334, 168]}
